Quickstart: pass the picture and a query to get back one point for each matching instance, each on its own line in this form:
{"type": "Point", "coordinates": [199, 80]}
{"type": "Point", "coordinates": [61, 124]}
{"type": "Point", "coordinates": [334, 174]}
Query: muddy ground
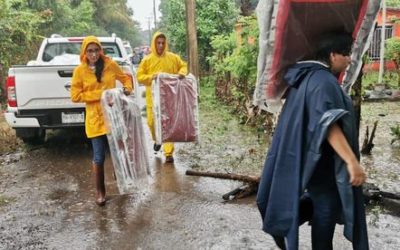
{"type": "Point", "coordinates": [47, 202]}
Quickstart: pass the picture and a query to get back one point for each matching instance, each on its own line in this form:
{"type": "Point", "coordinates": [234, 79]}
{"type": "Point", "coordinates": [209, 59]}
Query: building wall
{"type": "Point", "coordinates": [392, 14]}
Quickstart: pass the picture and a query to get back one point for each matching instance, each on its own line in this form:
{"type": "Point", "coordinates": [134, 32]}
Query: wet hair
{"type": "Point", "coordinates": [162, 36]}
{"type": "Point", "coordinates": [99, 69]}
{"type": "Point", "coordinates": [333, 42]}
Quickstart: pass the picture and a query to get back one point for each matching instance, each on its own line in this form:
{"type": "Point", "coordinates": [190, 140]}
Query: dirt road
{"type": "Point", "coordinates": [47, 201]}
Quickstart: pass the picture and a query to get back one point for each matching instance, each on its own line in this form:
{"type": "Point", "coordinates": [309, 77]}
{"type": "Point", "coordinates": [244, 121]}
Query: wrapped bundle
{"type": "Point", "coordinates": [126, 138]}
{"type": "Point", "coordinates": [290, 30]}
{"type": "Point", "coordinates": [175, 109]}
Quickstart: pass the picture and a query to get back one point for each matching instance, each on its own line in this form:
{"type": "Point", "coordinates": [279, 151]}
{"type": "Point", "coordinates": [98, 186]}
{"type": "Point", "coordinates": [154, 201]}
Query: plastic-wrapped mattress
{"type": "Point", "coordinates": [175, 109]}
{"type": "Point", "coordinates": [126, 139]}
{"type": "Point", "coordinates": [290, 30]}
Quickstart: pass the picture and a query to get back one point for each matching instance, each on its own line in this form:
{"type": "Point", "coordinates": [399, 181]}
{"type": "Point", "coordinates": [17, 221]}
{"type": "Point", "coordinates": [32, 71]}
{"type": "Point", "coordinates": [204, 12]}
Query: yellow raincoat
{"type": "Point", "coordinates": [85, 88]}
{"type": "Point", "coordinates": [167, 62]}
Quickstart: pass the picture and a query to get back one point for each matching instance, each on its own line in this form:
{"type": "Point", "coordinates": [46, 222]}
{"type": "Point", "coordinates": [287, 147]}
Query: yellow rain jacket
{"type": "Point", "coordinates": [85, 88]}
{"type": "Point", "coordinates": [167, 62]}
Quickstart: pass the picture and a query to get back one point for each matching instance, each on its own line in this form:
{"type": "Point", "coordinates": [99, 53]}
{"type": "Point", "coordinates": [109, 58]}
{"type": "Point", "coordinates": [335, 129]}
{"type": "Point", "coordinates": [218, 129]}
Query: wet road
{"type": "Point", "coordinates": [53, 207]}
{"type": "Point", "coordinates": [47, 201]}
{"type": "Point", "coordinates": [50, 205]}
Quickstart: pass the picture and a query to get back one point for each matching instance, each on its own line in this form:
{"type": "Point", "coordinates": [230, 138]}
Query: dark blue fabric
{"type": "Point", "coordinates": [99, 146]}
{"type": "Point", "coordinates": [314, 101]}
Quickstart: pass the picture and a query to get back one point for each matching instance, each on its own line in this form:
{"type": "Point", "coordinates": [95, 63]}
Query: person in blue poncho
{"type": "Point", "coordinates": [312, 170]}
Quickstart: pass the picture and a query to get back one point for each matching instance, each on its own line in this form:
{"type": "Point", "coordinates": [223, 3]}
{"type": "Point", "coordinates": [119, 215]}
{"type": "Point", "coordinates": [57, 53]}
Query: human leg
{"type": "Point", "coordinates": [326, 210]}
{"type": "Point", "coordinates": [168, 152]}
{"type": "Point", "coordinates": [99, 148]}
{"type": "Point", "coordinates": [150, 123]}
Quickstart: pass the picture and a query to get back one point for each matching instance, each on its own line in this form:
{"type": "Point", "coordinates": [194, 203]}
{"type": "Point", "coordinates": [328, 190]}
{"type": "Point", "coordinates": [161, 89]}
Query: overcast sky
{"type": "Point", "coordinates": [142, 9]}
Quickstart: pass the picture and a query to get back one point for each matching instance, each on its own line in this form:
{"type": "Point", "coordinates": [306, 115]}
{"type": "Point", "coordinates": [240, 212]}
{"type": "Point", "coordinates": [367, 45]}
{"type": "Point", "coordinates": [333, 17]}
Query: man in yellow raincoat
{"type": "Point", "coordinates": [95, 74]}
{"type": "Point", "coordinates": [160, 60]}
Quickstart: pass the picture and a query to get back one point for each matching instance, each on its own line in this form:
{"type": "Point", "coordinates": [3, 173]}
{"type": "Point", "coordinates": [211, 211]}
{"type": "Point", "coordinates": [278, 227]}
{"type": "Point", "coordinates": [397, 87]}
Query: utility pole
{"type": "Point", "coordinates": [155, 14]}
{"type": "Point", "coordinates": [148, 21]}
{"type": "Point", "coordinates": [191, 41]}
{"type": "Point", "coordinates": [383, 36]}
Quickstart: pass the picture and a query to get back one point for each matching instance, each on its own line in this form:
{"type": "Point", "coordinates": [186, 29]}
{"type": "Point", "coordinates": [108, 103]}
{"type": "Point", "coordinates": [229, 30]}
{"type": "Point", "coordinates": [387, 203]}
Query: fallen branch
{"type": "Point", "coordinates": [236, 177]}
{"type": "Point", "coordinates": [370, 191]}
{"type": "Point", "coordinates": [368, 143]}
{"type": "Point", "coordinates": [246, 190]}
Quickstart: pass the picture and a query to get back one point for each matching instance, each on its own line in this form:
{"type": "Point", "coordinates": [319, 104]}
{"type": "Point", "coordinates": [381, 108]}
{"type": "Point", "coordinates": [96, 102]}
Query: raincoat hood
{"type": "Point", "coordinates": [153, 44]}
{"type": "Point", "coordinates": [88, 40]}
{"type": "Point", "coordinates": [297, 72]}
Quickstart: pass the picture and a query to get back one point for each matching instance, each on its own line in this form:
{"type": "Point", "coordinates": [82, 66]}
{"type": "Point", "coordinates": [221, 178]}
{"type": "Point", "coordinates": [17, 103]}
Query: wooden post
{"type": "Point", "coordinates": [191, 41]}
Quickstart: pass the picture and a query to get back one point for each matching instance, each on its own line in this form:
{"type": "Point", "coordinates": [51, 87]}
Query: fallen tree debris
{"type": "Point", "coordinates": [368, 143]}
{"type": "Point", "coordinates": [250, 187]}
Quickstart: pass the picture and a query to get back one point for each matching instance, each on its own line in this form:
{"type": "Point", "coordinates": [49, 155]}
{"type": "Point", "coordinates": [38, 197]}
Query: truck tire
{"type": "Point", "coordinates": [31, 136]}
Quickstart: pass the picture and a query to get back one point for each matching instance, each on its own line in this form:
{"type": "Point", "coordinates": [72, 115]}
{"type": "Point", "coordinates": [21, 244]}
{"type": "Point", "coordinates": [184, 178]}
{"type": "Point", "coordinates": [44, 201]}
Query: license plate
{"type": "Point", "coordinates": [72, 117]}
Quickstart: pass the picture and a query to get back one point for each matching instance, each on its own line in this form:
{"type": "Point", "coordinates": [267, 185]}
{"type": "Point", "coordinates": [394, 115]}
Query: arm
{"type": "Point", "coordinates": [142, 74]}
{"type": "Point", "coordinates": [125, 79]}
{"type": "Point", "coordinates": [339, 143]}
{"type": "Point", "coordinates": [77, 92]}
{"type": "Point", "coordinates": [182, 66]}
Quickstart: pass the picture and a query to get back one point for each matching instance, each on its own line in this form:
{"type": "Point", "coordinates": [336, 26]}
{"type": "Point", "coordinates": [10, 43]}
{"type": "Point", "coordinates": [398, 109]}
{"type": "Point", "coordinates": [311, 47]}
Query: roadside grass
{"type": "Point", "coordinates": [390, 79]}
{"type": "Point", "coordinates": [8, 139]}
{"type": "Point", "coordinates": [5, 200]}
{"type": "Point", "coordinates": [225, 145]}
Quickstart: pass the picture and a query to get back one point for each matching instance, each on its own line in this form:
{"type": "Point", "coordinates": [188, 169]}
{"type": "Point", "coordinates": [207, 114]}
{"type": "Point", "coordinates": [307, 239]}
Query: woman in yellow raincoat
{"type": "Point", "coordinates": [95, 74]}
{"type": "Point", "coordinates": [160, 60]}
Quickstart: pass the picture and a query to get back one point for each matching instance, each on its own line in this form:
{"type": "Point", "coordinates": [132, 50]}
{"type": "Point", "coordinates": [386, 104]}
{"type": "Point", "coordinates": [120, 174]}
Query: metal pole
{"type": "Point", "coordinates": [382, 52]}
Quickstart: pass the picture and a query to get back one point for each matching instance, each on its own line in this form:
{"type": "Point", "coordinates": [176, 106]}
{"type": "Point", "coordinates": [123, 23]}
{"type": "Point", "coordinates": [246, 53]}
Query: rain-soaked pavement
{"type": "Point", "coordinates": [48, 203]}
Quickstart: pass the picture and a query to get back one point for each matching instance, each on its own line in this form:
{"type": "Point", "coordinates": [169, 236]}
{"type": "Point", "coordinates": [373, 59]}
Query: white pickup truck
{"type": "Point", "coordinates": [38, 93]}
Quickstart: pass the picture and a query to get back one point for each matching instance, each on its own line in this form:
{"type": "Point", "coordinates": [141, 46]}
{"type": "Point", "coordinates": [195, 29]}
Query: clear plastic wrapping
{"type": "Point", "coordinates": [126, 139]}
{"type": "Point", "coordinates": [290, 30]}
{"type": "Point", "coordinates": [175, 109]}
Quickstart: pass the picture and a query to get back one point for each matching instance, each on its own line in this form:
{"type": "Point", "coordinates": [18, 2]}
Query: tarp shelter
{"type": "Point", "coordinates": [290, 30]}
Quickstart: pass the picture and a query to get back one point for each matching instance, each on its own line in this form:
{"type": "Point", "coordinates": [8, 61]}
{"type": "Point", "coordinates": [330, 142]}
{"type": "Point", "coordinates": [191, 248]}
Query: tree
{"type": "Point", "coordinates": [19, 32]}
{"type": "Point", "coordinates": [393, 3]}
{"type": "Point", "coordinates": [114, 16]}
{"type": "Point", "coordinates": [214, 17]}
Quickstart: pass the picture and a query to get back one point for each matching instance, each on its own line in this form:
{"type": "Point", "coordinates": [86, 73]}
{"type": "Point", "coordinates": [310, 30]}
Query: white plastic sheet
{"type": "Point", "coordinates": [290, 30]}
{"type": "Point", "coordinates": [175, 109]}
{"type": "Point", "coordinates": [126, 139]}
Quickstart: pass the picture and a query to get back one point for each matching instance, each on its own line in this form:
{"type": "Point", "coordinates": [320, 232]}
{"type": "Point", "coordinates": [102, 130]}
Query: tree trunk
{"type": "Point", "coordinates": [191, 41]}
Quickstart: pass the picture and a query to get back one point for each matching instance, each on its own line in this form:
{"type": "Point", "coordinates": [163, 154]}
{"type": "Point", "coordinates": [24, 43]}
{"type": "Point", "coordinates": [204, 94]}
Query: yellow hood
{"type": "Point", "coordinates": [88, 40]}
{"type": "Point", "coordinates": [153, 44]}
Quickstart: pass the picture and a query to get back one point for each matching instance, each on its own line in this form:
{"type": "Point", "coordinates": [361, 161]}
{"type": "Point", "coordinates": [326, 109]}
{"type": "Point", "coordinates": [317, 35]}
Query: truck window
{"type": "Point", "coordinates": [58, 49]}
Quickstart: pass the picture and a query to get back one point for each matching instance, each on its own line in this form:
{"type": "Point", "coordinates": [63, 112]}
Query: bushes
{"type": "Point", "coordinates": [234, 66]}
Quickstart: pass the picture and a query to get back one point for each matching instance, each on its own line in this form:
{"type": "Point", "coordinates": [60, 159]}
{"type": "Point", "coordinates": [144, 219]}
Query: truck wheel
{"type": "Point", "coordinates": [32, 136]}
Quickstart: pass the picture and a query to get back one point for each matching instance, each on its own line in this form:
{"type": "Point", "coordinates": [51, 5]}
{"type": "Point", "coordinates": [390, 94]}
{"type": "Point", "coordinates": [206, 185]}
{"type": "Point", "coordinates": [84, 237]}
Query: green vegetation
{"type": "Point", "coordinates": [393, 3]}
{"type": "Point", "coordinates": [6, 200]}
{"type": "Point", "coordinates": [23, 24]}
{"type": "Point", "coordinates": [395, 132]}
{"type": "Point", "coordinates": [392, 52]}
{"type": "Point", "coordinates": [390, 79]}
{"type": "Point", "coordinates": [234, 64]}
{"type": "Point", "coordinates": [213, 17]}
